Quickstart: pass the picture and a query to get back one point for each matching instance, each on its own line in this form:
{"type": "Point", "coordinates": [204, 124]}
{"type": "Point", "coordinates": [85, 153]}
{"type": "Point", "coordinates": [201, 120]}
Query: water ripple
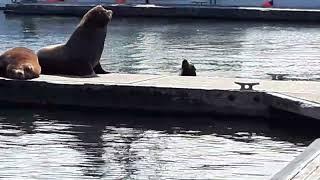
{"type": "Point", "coordinates": [75, 145]}
{"type": "Point", "coordinates": [157, 46]}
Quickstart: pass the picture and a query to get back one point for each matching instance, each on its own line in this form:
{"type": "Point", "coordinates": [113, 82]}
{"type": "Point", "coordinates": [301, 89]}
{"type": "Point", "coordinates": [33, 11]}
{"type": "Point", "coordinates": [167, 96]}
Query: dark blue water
{"type": "Point", "coordinates": [38, 144]}
{"type": "Point", "coordinates": [157, 46]}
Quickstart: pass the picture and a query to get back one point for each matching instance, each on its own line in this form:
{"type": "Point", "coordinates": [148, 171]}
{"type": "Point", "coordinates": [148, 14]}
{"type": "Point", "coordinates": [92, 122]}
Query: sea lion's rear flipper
{"type": "Point", "coordinates": [98, 69]}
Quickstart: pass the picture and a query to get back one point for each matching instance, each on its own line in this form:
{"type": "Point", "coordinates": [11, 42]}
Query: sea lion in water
{"type": "Point", "coordinates": [19, 63]}
{"type": "Point", "coordinates": [187, 69]}
{"type": "Point", "coordinates": [81, 54]}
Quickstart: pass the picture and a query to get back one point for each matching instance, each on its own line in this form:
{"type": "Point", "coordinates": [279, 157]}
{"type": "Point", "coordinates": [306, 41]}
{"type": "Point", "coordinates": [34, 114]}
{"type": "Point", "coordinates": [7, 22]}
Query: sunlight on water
{"type": "Point", "coordinates": [157, 46]}
{"type": "Point", "coordinates": [41, 144]}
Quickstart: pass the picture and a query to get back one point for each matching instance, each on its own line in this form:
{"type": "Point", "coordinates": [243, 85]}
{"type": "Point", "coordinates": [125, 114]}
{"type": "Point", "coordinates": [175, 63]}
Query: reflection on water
{"type": "Point", "coordinates": [157, 46]}
{"type": "Point", "coordinates": [76, 145]}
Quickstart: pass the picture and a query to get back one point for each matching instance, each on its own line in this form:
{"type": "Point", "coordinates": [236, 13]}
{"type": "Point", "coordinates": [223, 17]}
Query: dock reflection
{"type": "Point", "coordinates": [112, 145]}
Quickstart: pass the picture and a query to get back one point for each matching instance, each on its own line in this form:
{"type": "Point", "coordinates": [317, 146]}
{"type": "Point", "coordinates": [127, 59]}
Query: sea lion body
{"type": "Point", "coordinates": [19, 63]}
{"type": "Point", "coordinates": [81, 54]}
{"type": "Point", "coordinates": [187, 69]}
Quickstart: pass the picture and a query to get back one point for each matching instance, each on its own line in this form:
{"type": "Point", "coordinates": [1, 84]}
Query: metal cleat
{"type": "Point", "coordinates": [277, 76]}
{"type": "Point", "coordinates": [246, 86]}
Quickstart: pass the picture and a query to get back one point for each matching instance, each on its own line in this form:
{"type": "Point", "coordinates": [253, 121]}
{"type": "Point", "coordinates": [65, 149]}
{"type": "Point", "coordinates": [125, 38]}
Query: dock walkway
{"type": "Point", "coordinates": [306, 90]}
{"type": "Point", "coordinates": [167, 94]}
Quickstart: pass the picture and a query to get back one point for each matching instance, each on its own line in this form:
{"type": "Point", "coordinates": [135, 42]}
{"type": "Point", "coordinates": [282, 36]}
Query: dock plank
{"type": "Point", "coordinates": [311, 171]}
{"type": "Point", "coordinates": [303, 167]}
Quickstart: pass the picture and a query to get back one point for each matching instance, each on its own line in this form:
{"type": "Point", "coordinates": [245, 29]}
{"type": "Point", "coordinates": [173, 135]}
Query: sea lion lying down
{"type": "Point", "coordinates": [19, 63]}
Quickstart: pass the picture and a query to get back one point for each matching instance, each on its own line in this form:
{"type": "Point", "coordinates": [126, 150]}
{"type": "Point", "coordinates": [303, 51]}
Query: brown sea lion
{"type": "Point", "coordinates": [81, 54]}
{"type": "Point", "coordinates": [187, 69]}
{"type": "Point", "coordinates": [19, 63]}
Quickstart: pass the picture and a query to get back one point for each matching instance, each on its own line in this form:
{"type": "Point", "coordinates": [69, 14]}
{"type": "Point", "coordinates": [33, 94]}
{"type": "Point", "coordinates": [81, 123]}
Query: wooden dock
{"type": "Point", "coordinates": [304, 167]}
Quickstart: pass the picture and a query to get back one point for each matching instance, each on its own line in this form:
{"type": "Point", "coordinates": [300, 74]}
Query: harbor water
{"type": "Point", "coordinates": [42, 144]}
{"type": "Point", "coordinates": [158, 45]}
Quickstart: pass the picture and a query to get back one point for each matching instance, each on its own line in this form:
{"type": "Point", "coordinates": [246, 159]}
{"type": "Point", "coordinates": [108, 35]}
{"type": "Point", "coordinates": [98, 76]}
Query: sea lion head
{"type": "Point", "coordinates": [185, 64]}
{"type": "Point", "coordinates": [187, 69]}
{"type": "Point", "coordinates": [97, 17]}
{"type": "Point", "coordinates": [15, 73]}
{"type": "Point", "coordinates": [25, 71]}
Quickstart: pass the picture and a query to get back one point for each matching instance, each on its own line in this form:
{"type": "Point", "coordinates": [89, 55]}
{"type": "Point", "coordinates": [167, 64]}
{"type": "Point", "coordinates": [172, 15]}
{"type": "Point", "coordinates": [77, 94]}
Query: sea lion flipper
{"type": "Point", "coordinates": [99, 70]}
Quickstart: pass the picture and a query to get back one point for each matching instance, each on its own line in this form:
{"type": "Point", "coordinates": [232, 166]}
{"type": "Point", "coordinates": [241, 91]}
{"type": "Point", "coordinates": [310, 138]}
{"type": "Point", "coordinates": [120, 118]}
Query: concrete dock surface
{"type": "Point", "coordinates": [306, 90]}
{"type": "Point", "coordinates": [163, 93]}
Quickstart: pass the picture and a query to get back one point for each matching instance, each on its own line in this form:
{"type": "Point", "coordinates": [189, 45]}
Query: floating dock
{"type": "Point", "coordinates": [166, 94]}
{"type": "Point", "coordinates": [149, 10]}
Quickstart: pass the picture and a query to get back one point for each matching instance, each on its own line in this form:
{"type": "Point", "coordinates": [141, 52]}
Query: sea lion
{"type": "Point", "coordinates": [187, 69]}
{"type": "Point", "coordinates": [81, 54]}
{"type": "Point", "coordinates": [19, 63]}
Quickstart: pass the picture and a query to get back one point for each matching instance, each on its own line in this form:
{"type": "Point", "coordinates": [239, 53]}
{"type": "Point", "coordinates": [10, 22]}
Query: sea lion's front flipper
{"type": "Point", "coordinates": [99, 70]}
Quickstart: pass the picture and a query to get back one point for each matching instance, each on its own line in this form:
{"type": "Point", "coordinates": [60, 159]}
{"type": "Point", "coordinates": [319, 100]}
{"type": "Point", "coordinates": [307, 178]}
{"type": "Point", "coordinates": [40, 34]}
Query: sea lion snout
{"type": "Point", "coordinates": [16, 73]}
{"type": "Point", "coordinates": [97, 17]}
{"type": "Point", "coordinates": [100, 9]}
{"type": "Point", "coordinates": [27, 72]}
{"type": "Point", "coordinates": [109, 14]}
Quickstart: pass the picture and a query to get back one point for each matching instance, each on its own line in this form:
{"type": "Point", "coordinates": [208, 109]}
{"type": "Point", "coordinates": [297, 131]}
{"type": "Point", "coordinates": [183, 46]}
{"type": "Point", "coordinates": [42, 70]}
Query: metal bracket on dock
{"type": "Point", "coordinates": [277, 76]}
{"type": "Point", "coordinates": [246, 86]}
